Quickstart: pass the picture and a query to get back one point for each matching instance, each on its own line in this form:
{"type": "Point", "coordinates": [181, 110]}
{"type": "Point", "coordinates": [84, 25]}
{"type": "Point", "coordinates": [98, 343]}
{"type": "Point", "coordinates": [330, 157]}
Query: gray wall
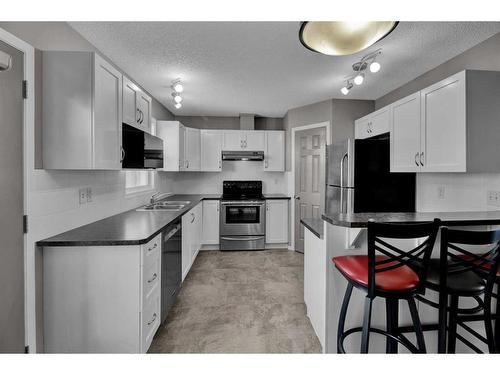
{"type": "Point", "coordinates": [217, 122]}
{"type": "Point", "coordinates": [484, 56]}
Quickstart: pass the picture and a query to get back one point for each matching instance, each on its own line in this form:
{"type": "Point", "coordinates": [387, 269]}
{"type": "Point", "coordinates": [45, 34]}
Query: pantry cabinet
{"type": "Point", "coordinates": [191, 237]}
{"type": "Point", "coordinates": [248, 140]}
{"type": "Point", "coordinates": [450, 126]}
{"type": "Point", "coordinates": [274, 154]}
{"type": "Point", "coordinates": [374, 124]}
{"type": "Point", "coordinates": [136, 106]}
{"type": "Point", "coordinates": [277, 221]}
{"type": "Point", "coordinates": [81, 111]}
{"type": "Point", "coordinates": [211, 150]}
{"type": "Point", "coordinates": [210, 222]}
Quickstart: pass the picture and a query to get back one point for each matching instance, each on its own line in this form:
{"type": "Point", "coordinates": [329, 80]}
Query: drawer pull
{"type": "Point", "coordinates": [153, 278]}
{"type": "Point", "coordinates": [154, 247]}
{"type": "Point", "coordinates": [152, 320]}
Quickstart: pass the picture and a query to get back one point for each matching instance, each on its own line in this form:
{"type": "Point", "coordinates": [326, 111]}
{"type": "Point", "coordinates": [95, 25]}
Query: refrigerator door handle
{"type": "Point", "coordinates": [344, 158]}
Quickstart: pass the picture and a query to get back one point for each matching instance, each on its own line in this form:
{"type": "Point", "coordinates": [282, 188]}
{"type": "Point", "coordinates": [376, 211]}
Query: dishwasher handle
{"type": "Point", "coordinates": [173, 231]}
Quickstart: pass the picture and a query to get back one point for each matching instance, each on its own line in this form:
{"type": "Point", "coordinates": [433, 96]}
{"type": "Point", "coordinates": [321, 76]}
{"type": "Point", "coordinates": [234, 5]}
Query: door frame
{"type": "Point", "coordinates": [28, 167]}
{"type": "Point", "coordinates": [291, 182]}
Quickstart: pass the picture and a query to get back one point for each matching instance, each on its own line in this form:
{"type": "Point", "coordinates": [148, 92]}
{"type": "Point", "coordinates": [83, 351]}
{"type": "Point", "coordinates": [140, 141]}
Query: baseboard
{"type": "Point", "coordinates": [268, 246]}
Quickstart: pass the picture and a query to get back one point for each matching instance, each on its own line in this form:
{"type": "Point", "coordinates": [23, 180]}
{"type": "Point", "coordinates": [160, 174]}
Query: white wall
{"type": "Point", "coordinates": [462, 191]}
{"type": "Point", "coordinates": [211, 182]}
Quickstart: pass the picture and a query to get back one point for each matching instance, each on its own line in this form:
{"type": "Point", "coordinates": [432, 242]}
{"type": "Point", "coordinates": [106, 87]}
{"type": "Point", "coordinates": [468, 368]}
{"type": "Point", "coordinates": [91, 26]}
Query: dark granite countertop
{"type": "Point", "coordinates": [128, 228]}
{"type": "Point", "coordinates": [314, 225]}
{"type": "Point", "coordinates": [276, 196]}
{"type": "Point", "coordinates": [360, 220]}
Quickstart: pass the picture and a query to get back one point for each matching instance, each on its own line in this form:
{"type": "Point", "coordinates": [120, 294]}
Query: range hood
{"type": "Point", "coordinates": [243, 155]}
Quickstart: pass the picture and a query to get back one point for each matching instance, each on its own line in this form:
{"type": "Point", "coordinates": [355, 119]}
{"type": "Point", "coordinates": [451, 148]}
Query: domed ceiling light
{"type": "Point", "coordinates": [338, 38]}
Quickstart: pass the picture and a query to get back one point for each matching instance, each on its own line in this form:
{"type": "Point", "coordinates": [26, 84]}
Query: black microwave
{"type": "Point", "coordinates": [140, 150]}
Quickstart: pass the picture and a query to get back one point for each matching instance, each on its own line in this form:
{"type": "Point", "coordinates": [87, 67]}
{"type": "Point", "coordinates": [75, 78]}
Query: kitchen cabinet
{"type": "Point", "coordinates": [101, 299]}
{"type": "Point", "coordinates": [191, 237]}
{"type": "Point", "coordinates": [211, 150]}
{"type": "Point", "coordinates": [374, 124]}
{"type": "Point", "coordinates": [136, 106]}
{"type": "Point", "coordinates": [455, 129]}
{"type": "Point", "coordinates": [249, 140]}
{"type": "Point", "coordinates": [210, 222]}
{"type": "Point", "coordinates": [181, 146]}
{"type": "Point", "coordinates": [274, 154]}
{"type": "Point", "coordinates": [277, 221]}
{"type": "Point", "coordinates": [81, 111]}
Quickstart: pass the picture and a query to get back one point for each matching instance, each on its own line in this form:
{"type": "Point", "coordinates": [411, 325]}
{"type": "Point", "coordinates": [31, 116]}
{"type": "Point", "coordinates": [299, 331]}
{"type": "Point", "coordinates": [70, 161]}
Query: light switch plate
{"type": "Point", "coordinates": [89, 194]}
{"type": "Point", "coordinates": [82, 193]}
{"type": "Point", "coordinates": [441, 192]}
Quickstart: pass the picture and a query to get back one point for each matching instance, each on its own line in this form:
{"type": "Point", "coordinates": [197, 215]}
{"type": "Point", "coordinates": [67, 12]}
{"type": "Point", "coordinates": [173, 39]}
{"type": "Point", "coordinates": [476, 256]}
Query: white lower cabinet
{"type": "Point", "coordinates": [101, 299]}
{"type": "Point", "coordinates": [191, 237]}
{"type": "Point", "coordinates": [210, 222]}
{"type": "Point", "coordinates": [277, 221]}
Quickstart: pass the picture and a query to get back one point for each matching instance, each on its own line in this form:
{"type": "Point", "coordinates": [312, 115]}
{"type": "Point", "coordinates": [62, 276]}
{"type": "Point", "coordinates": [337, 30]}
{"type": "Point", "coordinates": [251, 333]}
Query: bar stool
{"type": "Point", "coordinates": [461, 273]}
{"type": "Point", "coordinates": [387, 275]}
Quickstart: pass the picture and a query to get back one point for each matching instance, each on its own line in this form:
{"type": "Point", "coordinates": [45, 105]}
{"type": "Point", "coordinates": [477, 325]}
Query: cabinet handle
{"type": "Point", "coordinates": [416, 161]}
{"type": "Point", "coordinates": [142, 116]}
{"type": "Point", "coordinates": [138, 117]}
{"type": "Point", "coordinates": [152, 320]}
{"type": "Point", "coordinates": [266, 164]}
{"type": "Point", "coordinates": [421, 158]}
{"type": "Point", "coordinates": [220, 164]}
{"type": "Point", "coordinates": [187, 163]}
{"type": "Point", "coordinates": [153, 278]}
{"type": "Point", "coordinates": [192, 220]}
{"type": "Point", "coordinates": [245, 144]}
{"type": "Point", "coordinates": [122, 151]}
{"type": "Point", "coordinates": [154, 247]}
{"type": "Point", "coordinates": [241, 143]}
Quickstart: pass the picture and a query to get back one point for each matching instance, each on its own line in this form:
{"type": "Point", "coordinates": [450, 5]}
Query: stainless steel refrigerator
{"type": "Point", "coordinates": [358, 178]}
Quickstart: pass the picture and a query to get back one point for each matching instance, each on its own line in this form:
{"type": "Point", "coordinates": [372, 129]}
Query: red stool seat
{"type": "Point", "coordinates": [355, 267]}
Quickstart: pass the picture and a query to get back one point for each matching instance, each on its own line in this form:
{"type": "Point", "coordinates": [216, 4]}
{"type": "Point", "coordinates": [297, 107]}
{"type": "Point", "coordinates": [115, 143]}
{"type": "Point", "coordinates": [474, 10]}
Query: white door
{"type": "Point", "coordinates": [129, 110]}
{"type": "Point", "coordinates": [405, 134]}
{"type": "Point", "coordinates": [144, 106]}
{"type": "Point", "coordinates": [277, 221]}
{"type": "Point", "coordinates": [210, 222]}
{"type": "Point", "coordinates": [233, 140]}
{"type": "Point", "coordinates": [254, 140]}
{"type": "Point", "coordinates": [193, 149]}
{"type": "Point", "coordinates": [107, 116]}
{"type": "Point", "coordinates": [211, 149]}
{"type": "Point", "coordinates": [444, 126]}
{"type": "Point", "coordinates": [274, 158]}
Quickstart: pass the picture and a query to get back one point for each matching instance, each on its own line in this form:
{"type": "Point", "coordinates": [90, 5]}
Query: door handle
{"type": "Point", "coordinates": [297, 197]}
{"type": "Point", "coordinates": [421, 157]}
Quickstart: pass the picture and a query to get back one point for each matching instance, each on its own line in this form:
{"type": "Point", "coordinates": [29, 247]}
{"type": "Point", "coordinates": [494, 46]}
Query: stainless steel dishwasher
{"type": "Point", "coordinates": [171, 266]}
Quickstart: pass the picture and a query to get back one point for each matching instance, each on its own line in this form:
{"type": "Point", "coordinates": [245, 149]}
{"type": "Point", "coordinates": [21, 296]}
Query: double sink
{"type": "Point", "coordinates": [172, 206]}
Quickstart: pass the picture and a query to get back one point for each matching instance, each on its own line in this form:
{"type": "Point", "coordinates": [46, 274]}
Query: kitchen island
{"type": "Point", "coordinates": [345, 234]}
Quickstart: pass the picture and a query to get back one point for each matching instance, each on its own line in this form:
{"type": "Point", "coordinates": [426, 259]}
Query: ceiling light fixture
{"type": "Point", "coordinates": [360, 68]}
{"type": "Point", "coordinates": [177, 85]}
{"type": "Point", "coordinates": [358, 80]}
{"type": "Point", "coordinates": [348, 86]}
{"type": "Point", "coordinates": [339, 38]}
{"type": "Point", "coordinates": [178, 105]}
{"type": "Point", "coordinates": [177, 98]}
{"type": "Point", "coordinates": [374, 67]}
{"type": "Point", "coordinates": [177, 89]}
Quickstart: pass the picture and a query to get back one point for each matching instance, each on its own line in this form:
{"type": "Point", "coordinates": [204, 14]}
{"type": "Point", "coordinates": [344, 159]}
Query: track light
{"type": "Point", "coordinates": [178, 87]}
{"type": "Point", "coordinates": [177, 97]}
{"type": "Point", "coordinates": [360, 69]}
{"type": "Point", "coordinates": [345, 90]}
{"type": "Point", "coordinates": [178, 105]}
{"type": "Point", "coordinates": [358, 80]}
{"type": "Point", "coordinates": [374, 67]}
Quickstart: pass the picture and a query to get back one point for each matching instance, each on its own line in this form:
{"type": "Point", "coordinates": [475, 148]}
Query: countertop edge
{"type": "Point", "coordinates": [312, 228]}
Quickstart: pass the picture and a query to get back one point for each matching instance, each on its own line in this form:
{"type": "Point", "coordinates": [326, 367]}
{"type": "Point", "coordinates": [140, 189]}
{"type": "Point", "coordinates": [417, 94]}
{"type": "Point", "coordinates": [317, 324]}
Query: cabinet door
{"type": "Point", "coordinates": [277, 221]}
{"type": "Point", "coordinates": [405, 134]}
{"type": "Point", "coordinates": [198, 227]}
{"type": "Point", "coordinates": [144, 107]}
{"type": "Point", "coordinates": [130, 111]}
{"type": "Point", "coordinates": [379, 122]}
{"type": "Point", "coordinates": [274, 158]}
{"type": "Point", "coordinates": [211, 148]}
{"type": "Point", "coordinates": [361, 128]}
{"type": "Point", "coordinates": [210, 222]}
{"type": "Point", "coordinates": [254, 141]}
{"type": "Point", "coordinates": [183, 162]}
{"type": "Point", "coordinates": [187, 241]}
{"type": "Point", "coordinates": [107, 116]}
{"type": "Point", "coordinates": [233, 140]}
{"type": "Point", "coordinates": [444, 126]}
{"type": "Point", "coordinates": [193, 149]}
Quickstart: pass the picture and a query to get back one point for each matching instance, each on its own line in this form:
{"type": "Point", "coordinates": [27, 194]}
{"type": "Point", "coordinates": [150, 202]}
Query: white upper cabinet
{"type": "Point", "coordinates": [375, 123]}
{"type": "Point", "coordinates": [405, 135]}
{"type": "Point", "coordinates": [277, 221]}
{"type": "Point", "coordinates": [192, 149]}
{"type": "Point", "coordinates": [211, 149]}
{"type": "Point", "coordinates": [249, 140]}
{"type": "Point", "coordinates": [181, 146]}
{"type": "Point", "coordinates": [136, 106]}
{"type": "Point", "coordinates": [82, 111]}
{"type": "Point", "coordinates": [451, 126]}
{"type": "Point", "coordinates": [274, 154]}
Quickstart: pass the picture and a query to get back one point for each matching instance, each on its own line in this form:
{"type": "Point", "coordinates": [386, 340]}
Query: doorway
{"type": "Point", "coordinates": [12, 262]}
{"type": "Point", "coordinates": [309, 145]}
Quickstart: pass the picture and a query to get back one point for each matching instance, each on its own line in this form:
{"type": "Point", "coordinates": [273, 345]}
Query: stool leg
{"type": "Point", "coordinates": [418, 326]}
{"type": "Point", "coordinates": [452, 326]}
{"type": "Point", "coordinates": [488, 326]}
{"type": "Point", "coordinates": [343, 312]}
{"type": "Point", "coordinates": [497, 321]}
{"type": "Point", "coordinates": [392, 310]}
{"type": "Point", "coordinates": [365, 335]}
{"type": "Point", "coordinates": [443, 315]}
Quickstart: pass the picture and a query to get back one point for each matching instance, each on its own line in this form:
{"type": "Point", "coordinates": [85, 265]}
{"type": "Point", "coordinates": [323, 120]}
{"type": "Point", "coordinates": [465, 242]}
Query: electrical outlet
{"type": "Point", "coordinates": [89, 194]}
{"type": "Point", "coordinates": [493, 198]}
{"type": "Point", "coordinates": [441, 192]}
{"type": "Point", "coordinates": [82, 193]}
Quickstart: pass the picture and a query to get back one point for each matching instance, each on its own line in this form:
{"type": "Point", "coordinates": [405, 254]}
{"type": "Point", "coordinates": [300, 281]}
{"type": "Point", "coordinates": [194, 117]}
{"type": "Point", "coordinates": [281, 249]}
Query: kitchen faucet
{"type": "Point", "coordinates": [153, 199]}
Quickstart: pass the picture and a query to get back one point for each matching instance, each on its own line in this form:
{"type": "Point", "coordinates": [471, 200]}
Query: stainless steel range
{"type": "Point", "coordinates": [243, 216]}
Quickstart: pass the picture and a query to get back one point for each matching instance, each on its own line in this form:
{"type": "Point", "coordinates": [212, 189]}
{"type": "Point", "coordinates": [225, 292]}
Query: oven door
{"type": "Point", "coordinates": [242, 218]}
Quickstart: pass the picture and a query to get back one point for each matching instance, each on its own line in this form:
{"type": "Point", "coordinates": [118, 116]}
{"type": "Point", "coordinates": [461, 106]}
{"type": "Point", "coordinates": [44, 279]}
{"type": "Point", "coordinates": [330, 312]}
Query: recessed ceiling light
{"type": "Point", "coordinates": [339, 38]}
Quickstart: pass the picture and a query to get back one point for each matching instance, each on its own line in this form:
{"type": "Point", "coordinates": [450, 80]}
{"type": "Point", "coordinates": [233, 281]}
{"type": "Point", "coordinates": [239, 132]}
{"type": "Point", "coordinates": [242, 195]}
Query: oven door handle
{"type": "Point", "coordinates": [244, 204]}
{"type": "Point", "coordinates": [241, 238]}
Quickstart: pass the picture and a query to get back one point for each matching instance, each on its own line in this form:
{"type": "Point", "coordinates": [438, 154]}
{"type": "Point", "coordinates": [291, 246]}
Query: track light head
{"type": "Point", "coordinates": [358, 80]}
{"type": "Point", "coordinates": [374, 67]}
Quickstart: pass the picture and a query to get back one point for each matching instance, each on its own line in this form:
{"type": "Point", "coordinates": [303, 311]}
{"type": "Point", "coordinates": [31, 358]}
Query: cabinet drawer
{"type": "Point", "coordinates": [151, 277]}
{"type": "Point", "coordinates": [151, 252]}
{"type": "Point", "coordinates": [150, 321]}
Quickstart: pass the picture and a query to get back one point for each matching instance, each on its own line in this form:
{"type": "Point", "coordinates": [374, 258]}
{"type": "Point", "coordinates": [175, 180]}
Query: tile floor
{"type": "Point", "coordinates": [240, 302]}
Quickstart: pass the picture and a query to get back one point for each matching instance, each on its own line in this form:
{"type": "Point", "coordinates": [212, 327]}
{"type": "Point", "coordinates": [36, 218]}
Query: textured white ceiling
{"type": "Point", "coordinates": [260, 67]}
